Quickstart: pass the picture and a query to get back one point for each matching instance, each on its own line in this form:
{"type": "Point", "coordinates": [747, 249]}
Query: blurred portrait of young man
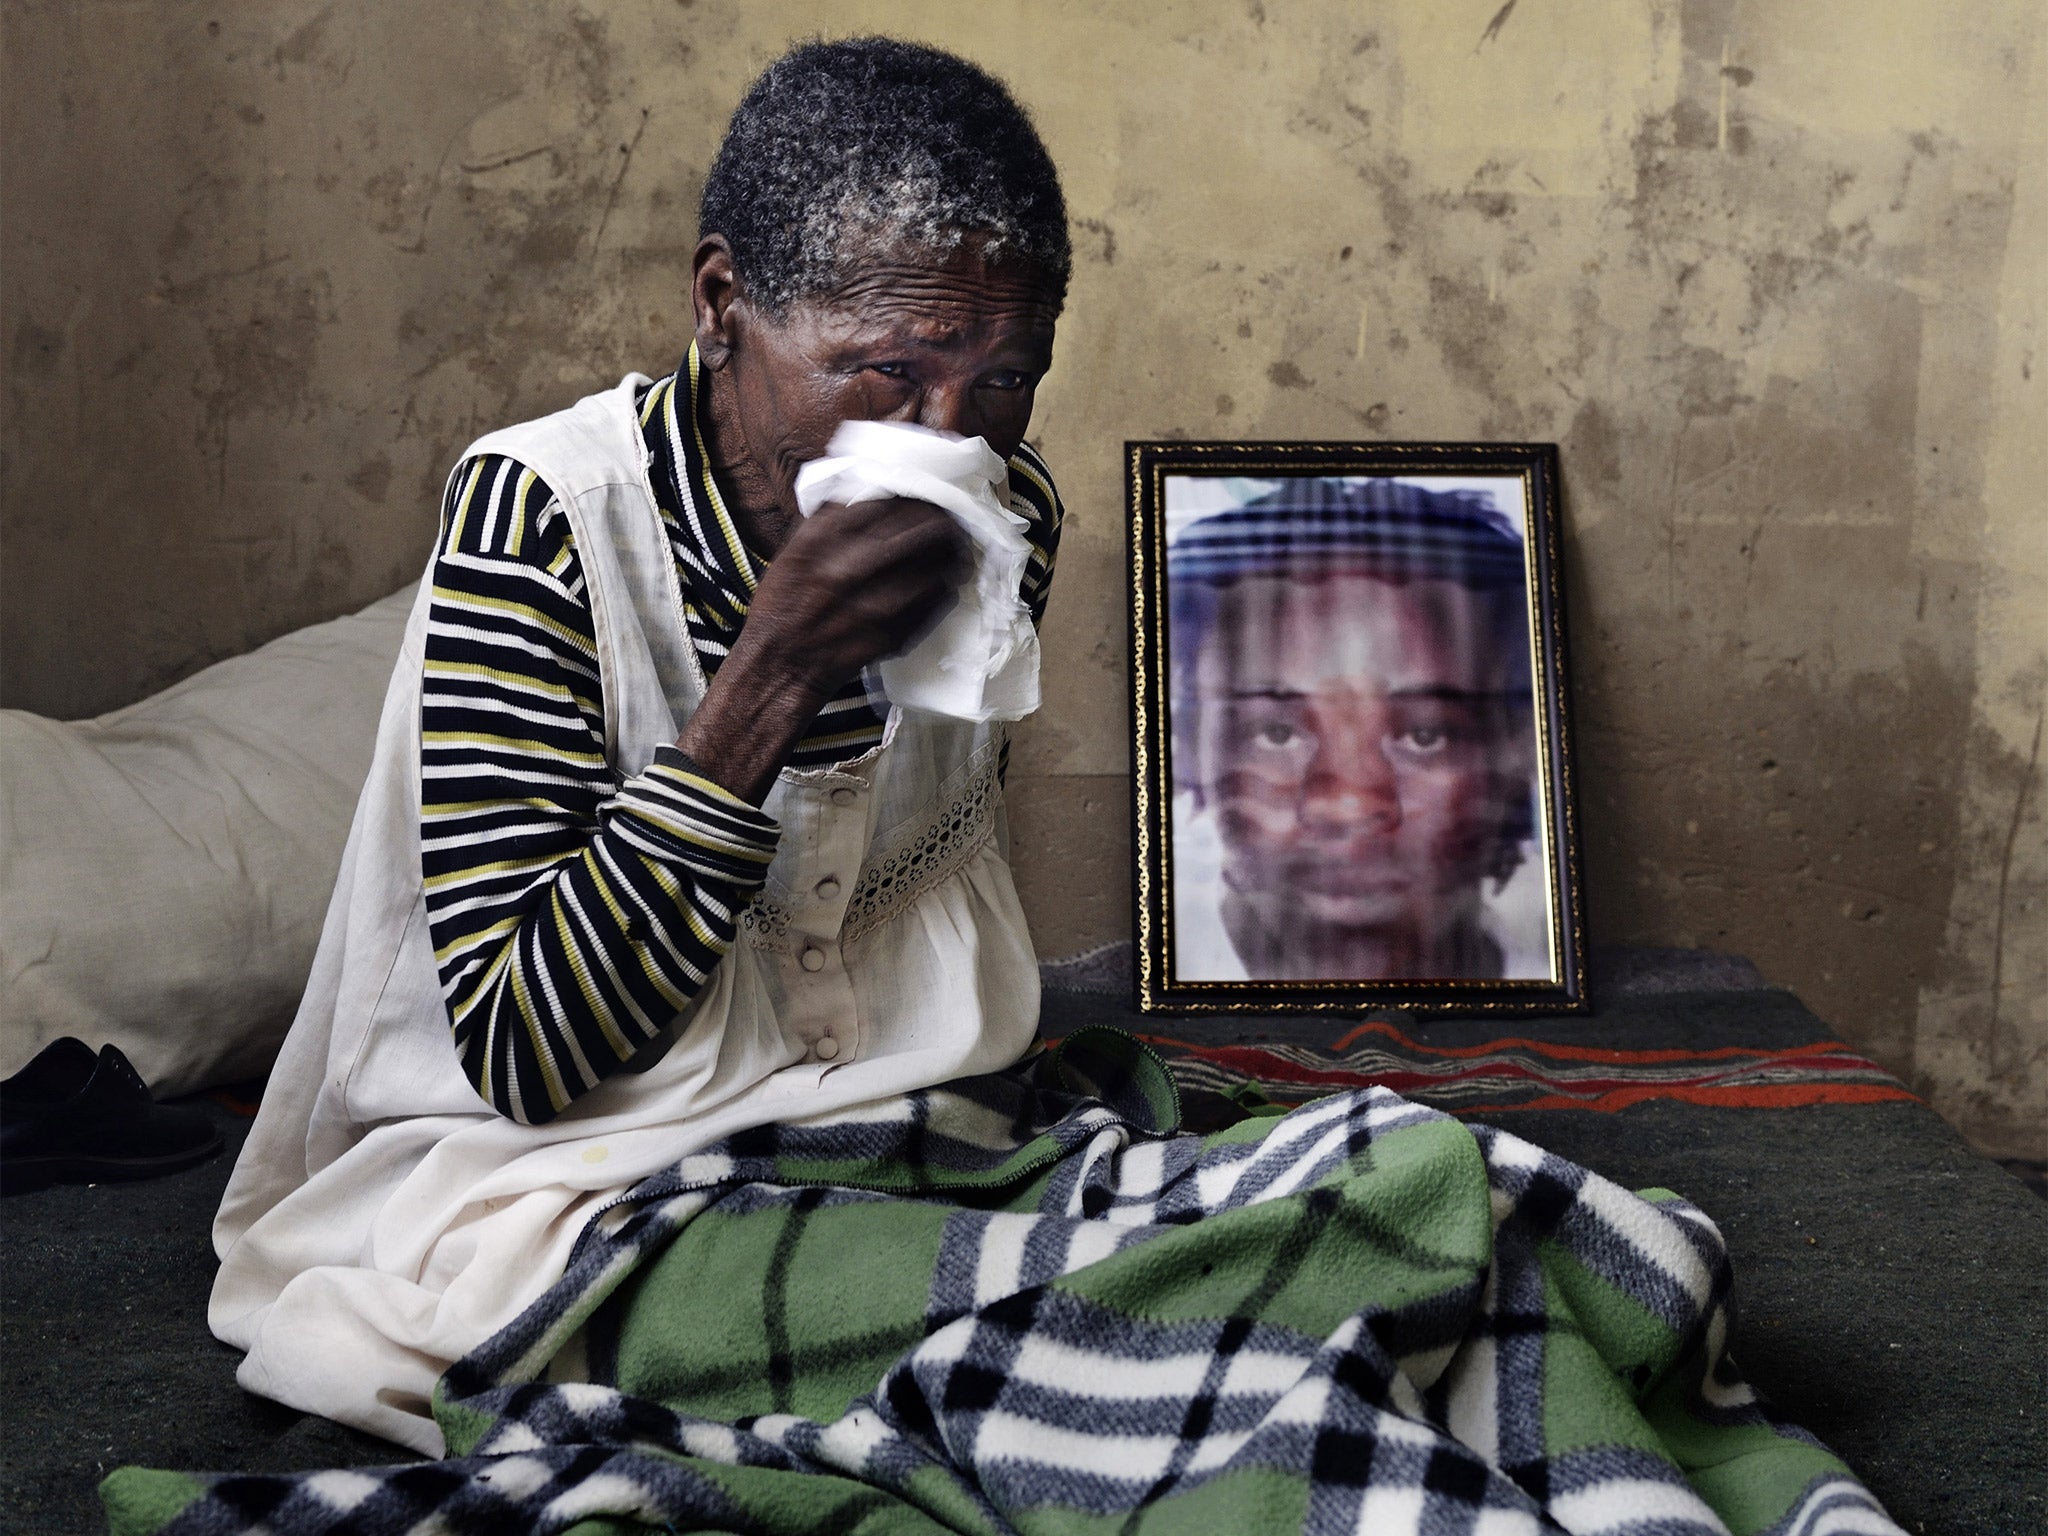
{"type": "Point", "coordinates": [1354, 745]}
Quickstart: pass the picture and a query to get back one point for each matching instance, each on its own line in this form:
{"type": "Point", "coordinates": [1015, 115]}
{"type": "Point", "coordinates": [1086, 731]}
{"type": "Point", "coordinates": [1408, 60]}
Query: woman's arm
{"type": "Point", "coordinates": [573, 915]}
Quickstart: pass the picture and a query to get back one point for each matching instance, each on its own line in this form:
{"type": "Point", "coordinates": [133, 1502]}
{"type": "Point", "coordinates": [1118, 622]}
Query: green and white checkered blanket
{"type": "Point", "coordinates": [1021, 1303]}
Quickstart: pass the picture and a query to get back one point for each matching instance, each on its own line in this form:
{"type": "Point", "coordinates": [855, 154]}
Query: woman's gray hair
{"type": "Point", "coordinates": [873, 138]}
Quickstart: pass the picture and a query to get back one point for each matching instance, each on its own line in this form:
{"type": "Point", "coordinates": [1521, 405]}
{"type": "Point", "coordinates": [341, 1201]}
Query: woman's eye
{"type": "Point", "coordinates": [1277, 733]}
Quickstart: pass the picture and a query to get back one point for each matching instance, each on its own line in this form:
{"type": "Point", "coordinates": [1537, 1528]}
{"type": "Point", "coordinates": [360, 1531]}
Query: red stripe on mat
{"type": "Point", "coordinates": [1600, 1094]}
{"type": "Point", "coordinates": [1761, 1096]}
{"type": "Point", "coordinates": [1585, 1052]}
{"type": "Point", "coordinates": [1264, 1066]}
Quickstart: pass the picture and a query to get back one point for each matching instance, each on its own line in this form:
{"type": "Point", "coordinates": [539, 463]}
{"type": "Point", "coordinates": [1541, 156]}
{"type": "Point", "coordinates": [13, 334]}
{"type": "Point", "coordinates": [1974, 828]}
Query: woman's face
{"type": "Point", "coordinates": [954, 342]}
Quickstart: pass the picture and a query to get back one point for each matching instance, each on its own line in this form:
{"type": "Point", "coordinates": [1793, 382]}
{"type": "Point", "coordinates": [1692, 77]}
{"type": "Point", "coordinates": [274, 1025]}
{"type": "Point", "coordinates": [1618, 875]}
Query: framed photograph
{"type": "Point", "coordinates": [1353, 775]}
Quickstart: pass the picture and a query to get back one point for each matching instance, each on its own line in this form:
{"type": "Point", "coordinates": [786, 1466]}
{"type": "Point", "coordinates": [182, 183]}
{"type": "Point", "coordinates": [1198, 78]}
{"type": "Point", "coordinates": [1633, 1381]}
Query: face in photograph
{"type": "Point", "coordinates": [1361, 735]}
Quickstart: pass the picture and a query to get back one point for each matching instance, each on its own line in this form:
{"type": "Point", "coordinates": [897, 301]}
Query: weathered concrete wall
{"type": "Point", "coordinates": [1773, 275]}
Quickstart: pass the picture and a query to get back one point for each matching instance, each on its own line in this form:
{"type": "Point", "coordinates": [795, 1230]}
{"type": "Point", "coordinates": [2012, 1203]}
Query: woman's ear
{"type": "Point", "coordinates": [714, 291]}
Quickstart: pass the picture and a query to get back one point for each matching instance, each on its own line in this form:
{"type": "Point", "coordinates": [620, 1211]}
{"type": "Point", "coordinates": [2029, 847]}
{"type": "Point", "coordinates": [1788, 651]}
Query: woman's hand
{"type": "Point", "coordinates": [851, 585]}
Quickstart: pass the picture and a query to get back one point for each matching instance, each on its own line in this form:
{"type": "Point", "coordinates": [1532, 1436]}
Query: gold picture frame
{"type": "Point", "coordinates": [1351, 757]}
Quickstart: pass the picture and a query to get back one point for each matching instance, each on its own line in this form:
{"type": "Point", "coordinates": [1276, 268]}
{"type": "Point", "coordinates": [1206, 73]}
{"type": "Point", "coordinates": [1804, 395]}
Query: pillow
{"type": "Point", "coordinates": [165, 869]}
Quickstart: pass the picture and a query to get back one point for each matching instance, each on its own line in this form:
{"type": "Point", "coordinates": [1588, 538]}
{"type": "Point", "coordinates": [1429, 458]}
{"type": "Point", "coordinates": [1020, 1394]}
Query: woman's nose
{"type": "Point", "coordinates": [946, 408]}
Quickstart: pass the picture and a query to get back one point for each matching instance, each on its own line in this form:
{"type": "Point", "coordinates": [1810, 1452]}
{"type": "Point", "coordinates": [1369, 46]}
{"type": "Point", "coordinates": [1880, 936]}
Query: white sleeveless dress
{"type": "Point", "coordinates": [381, 1220]}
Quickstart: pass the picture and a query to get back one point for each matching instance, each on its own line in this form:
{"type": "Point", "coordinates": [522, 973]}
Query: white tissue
{"type": "Point", "coordinates": [981, 660]}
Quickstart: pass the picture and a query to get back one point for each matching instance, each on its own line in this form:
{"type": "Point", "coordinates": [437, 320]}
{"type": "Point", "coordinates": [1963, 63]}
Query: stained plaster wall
{"type": "Point", "coordinates": [1772, 275]}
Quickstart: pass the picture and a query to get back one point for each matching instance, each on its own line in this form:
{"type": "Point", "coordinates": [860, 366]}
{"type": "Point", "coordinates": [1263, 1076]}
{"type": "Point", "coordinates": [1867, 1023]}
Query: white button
{"type": "Point", "coordinates": [827, 888]}
{"type": "Point", "coordinates": [842, 796]}
{"type": "Point", "coordinates": [813, 960]}
{"type": "Point", "coordinates": [826, 1048]}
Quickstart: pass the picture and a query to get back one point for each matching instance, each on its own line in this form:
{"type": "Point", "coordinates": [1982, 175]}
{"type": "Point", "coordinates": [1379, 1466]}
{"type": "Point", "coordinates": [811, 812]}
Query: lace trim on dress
{"type": "Point", "coordinates": [915, 859]}
{"type": "Point", "coordinates": [766, 924]}
{"type": "Point", "coordinates": [926, 854]}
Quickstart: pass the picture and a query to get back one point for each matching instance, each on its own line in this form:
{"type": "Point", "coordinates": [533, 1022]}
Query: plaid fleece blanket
{"type": "Point", "coordinates": [1022, 1303]}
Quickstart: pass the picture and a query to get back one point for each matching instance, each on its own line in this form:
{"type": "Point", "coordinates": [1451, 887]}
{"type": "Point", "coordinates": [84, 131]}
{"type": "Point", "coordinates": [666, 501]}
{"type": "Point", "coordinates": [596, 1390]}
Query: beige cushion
{"type": "Point", "coordinates": [164, 869]}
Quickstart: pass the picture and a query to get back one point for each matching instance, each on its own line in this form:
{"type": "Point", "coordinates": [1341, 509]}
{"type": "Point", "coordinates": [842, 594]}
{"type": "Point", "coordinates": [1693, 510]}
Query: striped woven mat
{"type": "Point", "coordinates": [1522, 1073]}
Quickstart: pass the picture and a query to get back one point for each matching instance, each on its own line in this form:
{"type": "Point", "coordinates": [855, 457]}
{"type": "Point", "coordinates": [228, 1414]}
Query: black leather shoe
{"type": "Point", "coordinates": [70, 1117]}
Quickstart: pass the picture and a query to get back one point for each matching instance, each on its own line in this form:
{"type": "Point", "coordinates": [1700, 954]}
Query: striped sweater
{"type": "Point", "coordinates": [574, 913]}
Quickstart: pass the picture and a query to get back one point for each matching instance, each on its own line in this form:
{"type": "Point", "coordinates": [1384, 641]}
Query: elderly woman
{"type": "Point", "coordinates": [640, 864]}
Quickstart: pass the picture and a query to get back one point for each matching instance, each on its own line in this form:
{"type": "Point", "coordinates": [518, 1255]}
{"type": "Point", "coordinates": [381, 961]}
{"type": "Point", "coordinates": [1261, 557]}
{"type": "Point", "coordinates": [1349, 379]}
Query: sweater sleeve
{"type": "Point", "coordinates": [574, 914]}
{"type": "Point", "coordinates": [1036, 499]}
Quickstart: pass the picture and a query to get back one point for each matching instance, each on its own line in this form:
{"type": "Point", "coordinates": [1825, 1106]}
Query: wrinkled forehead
{"type": "Point", "coordinates": [1355, 632]}
{"type": "Point", "coordinates": [941, 293]}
